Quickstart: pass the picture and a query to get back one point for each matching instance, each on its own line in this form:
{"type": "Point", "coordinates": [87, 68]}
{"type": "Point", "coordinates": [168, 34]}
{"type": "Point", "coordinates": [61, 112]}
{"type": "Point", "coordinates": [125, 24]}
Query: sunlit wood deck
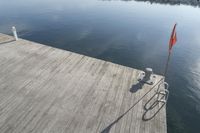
{"type": "Point", "coordinates": [48, 90]}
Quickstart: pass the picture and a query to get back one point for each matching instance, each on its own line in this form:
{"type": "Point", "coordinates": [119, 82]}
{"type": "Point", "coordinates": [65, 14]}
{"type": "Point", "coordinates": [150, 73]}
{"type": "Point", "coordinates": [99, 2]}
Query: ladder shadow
{"type": "Point", "coordinates": [152, 108]}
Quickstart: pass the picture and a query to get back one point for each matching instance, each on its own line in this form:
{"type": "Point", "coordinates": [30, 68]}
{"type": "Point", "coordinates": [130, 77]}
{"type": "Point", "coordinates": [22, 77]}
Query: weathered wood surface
{"type": "Point", "coordinates": [48, 90]}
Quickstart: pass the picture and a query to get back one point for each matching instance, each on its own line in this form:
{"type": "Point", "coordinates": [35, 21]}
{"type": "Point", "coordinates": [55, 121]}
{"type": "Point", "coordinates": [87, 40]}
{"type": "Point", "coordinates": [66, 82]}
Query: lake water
{"type": "Point", "coordinates": [130, 33]}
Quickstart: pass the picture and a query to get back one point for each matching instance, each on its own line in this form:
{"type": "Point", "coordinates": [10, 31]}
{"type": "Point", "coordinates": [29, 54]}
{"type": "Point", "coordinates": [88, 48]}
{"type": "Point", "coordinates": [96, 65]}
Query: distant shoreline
{"type": "Point", "coordinates": [195, 3]}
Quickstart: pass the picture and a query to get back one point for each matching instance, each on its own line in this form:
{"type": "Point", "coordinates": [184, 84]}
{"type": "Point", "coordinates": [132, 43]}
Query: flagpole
{"type": "Point", "coordinates": [167, 63]}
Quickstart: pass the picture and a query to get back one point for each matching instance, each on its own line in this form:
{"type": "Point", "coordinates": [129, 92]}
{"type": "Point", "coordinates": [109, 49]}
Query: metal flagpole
{"type": "Point", "coordinates": [167, 63]}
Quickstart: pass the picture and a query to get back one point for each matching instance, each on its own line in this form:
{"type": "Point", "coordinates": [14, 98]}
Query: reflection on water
{"type": "Point", "coordinates": [130, 33]}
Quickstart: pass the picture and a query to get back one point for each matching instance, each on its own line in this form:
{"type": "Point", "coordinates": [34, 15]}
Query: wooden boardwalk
{"type": "Point", "coordinates": [48, 90]}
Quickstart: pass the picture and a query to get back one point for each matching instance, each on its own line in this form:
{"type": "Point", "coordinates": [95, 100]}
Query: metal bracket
{"type": "Point", "coordinates": [147, 77]}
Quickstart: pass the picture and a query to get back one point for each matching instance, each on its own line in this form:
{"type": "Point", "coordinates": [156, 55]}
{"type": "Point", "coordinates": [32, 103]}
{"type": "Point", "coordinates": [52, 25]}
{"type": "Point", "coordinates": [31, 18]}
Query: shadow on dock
{"type": "Point", "coordinates": [152, 107]}
{"type": "Point", "coordinates": [7, 42]}
{"type": "Point", "coordinates": [134, 89]}
{"type": "Point", "coordinates": [137, 87]}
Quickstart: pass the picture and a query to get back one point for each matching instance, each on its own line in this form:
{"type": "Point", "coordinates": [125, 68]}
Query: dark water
{"type": "Point", "coordinates": [130, 33]}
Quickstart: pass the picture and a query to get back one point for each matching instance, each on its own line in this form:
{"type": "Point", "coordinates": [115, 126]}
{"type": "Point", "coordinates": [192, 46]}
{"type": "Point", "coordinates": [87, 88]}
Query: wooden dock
{"type": "Point", "coordinates": [49, 90]}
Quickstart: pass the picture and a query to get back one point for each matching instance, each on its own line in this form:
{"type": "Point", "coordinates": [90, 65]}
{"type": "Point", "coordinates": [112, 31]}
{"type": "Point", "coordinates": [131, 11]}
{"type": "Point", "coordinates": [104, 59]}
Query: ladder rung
{"type": "Point", "coordinates": [162, 100]}
{"type": "Point", "coordinates": [164, 93]}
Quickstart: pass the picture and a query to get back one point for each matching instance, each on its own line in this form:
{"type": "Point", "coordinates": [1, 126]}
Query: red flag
{"type": "Point", "coordinates": [173, 38]}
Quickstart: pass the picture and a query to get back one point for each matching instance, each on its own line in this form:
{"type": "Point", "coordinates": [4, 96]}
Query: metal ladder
{"type": "Point", "coordinates": [162, 95]}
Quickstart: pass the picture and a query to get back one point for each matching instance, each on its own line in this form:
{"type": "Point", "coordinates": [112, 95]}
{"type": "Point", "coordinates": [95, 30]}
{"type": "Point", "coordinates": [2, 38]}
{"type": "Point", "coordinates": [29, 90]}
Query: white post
{"type": "Point", "coordinates": [15, 33]}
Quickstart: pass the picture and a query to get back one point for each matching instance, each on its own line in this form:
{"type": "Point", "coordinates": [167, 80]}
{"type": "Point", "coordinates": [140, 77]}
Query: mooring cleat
{"type": "Point", "coordinates": [147, 76]}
